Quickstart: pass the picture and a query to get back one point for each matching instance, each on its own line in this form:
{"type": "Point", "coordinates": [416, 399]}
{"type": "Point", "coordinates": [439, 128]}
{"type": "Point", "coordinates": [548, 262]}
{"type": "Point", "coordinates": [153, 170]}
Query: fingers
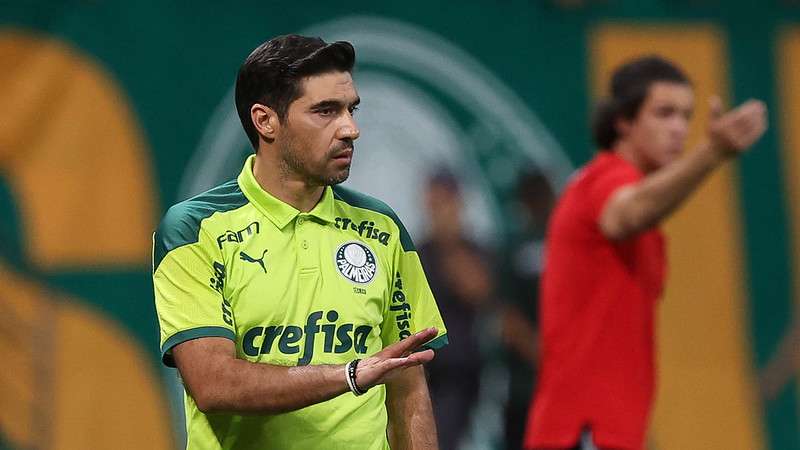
{"type": "Point", "coordinates": [418, 358]}
{"type": "Point", "coordinates": [741, 127]}
{"type": "Point", "coordinates": [414, 359]}
{"type": "Point", "coordinates": [747, 112]}
{"type": "Point", "coordinates": [750, 112]}
{"type": "Point", "coordinates": [715, 106]}
{"type": "Point", "coordinates": [748, 109]}
{"type": "Point", "coordinates": [749, 123]}
{"type": "Point", "coordinates": [410, 343]}
{"type": "Point", "coordinates": [374, 370]}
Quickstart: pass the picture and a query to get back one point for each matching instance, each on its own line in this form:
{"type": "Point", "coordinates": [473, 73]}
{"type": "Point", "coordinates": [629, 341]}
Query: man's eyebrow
{"type": "Point", "coordinates": [332, 104]}
{"type": "Point", "coordinates": [326, 104]}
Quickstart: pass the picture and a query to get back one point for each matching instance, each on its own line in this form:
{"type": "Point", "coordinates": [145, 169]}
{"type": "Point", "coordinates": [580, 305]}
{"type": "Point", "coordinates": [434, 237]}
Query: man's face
{"type": "Point", "coordinates": [658, 133]}
{"type": "Point", "coordinates": [316, 137]}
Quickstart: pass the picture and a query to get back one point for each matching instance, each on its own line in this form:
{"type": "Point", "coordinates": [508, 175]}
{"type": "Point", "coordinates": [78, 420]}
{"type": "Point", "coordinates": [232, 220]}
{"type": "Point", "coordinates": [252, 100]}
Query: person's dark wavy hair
{"type": "Point", "coordinates": [630, 84]}
{"type": "Point", "coordinates": [273, 72]}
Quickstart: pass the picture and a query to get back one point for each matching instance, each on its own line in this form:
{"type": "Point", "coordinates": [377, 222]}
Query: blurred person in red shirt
{"type": "Point", "coordinates": [605, 259]}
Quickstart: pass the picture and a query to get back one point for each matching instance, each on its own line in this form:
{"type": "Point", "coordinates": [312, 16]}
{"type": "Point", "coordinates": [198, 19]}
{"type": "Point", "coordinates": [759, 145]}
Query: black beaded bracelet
{"type": "Point", "coordinates": [351, 377]}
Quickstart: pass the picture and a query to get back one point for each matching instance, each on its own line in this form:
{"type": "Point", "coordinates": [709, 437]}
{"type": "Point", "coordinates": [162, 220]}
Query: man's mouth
{"type": "Point", "coordinates": [345, 154]}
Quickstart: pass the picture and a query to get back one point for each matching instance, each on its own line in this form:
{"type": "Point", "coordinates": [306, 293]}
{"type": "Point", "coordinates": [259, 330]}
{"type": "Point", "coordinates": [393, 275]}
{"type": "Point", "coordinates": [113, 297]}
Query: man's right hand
{"type": "Point", "coordinates": [387, 363]}
{"type": "Point", "coordinates": [733, 132]}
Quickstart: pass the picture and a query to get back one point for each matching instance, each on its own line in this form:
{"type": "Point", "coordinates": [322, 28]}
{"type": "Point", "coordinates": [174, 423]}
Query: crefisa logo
{"type": "Point", "coordinates": [356, 262]}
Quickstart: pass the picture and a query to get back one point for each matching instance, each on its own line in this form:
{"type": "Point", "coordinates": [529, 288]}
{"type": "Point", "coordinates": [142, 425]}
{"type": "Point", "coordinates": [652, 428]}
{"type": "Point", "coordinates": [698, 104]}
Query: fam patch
{"type": "Point", "coordinates": [356, 262]}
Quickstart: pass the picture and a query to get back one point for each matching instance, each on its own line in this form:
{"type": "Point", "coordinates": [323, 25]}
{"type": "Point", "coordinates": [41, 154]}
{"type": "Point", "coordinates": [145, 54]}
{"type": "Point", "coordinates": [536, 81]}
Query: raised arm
{"type": "Point", "coordinates": [637, 207]}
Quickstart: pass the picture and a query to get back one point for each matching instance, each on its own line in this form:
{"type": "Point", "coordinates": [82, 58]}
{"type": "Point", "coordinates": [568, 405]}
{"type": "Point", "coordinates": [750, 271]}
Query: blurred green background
{"type": "Point", "coordinates": [112, 111]}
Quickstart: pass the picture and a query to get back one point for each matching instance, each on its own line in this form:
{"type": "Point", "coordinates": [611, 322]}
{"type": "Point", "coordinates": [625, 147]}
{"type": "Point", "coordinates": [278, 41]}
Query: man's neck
{"type": "Point", "coordinates": [628, 152]}
{"type": "Point", "coordinates": [284, 186]}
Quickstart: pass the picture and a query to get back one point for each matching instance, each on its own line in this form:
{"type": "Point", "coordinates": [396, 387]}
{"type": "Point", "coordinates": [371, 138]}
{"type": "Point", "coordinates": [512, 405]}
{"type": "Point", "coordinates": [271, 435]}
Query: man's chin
{"type": "Point", "coordinates": [338, 178]}
{"type": "Point", "coordinates": [669, 156]}
{"type": "Point", "coordinates": [674, 156]}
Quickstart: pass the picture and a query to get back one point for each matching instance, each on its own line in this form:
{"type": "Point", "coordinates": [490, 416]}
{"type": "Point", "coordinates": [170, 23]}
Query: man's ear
{"type": "Point", "coordinates": [622, 126]}
{"type": "Point", "coordinates": [266, 121]}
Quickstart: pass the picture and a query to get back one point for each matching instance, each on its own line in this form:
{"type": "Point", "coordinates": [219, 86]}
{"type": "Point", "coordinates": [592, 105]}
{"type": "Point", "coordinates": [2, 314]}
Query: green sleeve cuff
{"type": "Point", "coordinates": [436, 343]}
{"type": "Point", "coordinates": [188, 335]}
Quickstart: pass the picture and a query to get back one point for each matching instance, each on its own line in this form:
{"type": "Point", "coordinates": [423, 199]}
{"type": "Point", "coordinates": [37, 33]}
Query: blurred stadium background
{"type": "Point", "coordinates": [112, 111]}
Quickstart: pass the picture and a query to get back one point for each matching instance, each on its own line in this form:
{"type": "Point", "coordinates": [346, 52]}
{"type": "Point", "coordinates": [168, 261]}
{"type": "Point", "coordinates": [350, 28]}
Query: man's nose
{"type": "Point", "coordinates": [348, 129]}
{"type": "Point", "coordinates": [680, 127]}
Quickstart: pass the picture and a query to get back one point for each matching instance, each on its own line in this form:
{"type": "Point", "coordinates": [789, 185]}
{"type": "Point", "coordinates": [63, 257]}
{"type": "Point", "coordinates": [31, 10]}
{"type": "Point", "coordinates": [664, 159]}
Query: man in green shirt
{"type": "Point", "coordinates": [296, 311]}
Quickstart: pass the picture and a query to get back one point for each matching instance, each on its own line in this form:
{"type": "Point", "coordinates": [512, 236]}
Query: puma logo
{"type": "Point", "coordinates": [245, 257]}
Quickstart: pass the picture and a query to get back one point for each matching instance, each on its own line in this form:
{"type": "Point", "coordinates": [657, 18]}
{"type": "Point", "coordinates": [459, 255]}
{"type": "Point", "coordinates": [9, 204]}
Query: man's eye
{"type": "Point", "coordinates": [666, 112]}
{"type": "Point", "coordinates": [353, 110]}
{"type": "Point", "coordinates": [325, 112]}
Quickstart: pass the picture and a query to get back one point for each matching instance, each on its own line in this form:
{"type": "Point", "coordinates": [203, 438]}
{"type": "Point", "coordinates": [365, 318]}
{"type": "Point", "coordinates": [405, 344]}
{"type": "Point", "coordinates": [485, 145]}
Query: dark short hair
{"type": "Point", "coordinates": [630, 85]}
{"type": "Point", "coordinates": [273, 72]}
{"type": "Point", "coordinates": [445, 178]}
